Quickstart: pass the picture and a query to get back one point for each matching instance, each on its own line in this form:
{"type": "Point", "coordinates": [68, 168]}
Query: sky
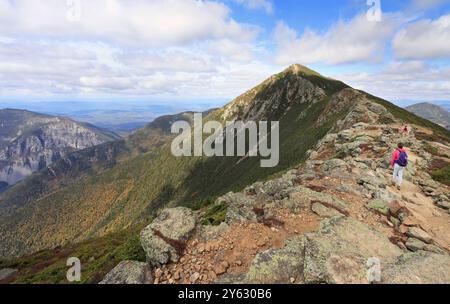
{"type": "Point", "coordinates": [191, 51]}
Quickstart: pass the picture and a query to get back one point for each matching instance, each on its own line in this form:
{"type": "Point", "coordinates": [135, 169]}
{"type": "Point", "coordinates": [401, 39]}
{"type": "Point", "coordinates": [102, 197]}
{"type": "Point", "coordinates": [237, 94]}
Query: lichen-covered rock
{"type": "Point", "coordinates": [334, 164]}
{"type": "Point", "coordinates": [278, 266]}
{"type": "Point", "coordinates": [162, 240]}
{"type": "Point", "coordinates": [302, 198]}
{"type": "Point", "coordinates": [240, 206]}
{"type": "Point", "coordinates": [210, 233]}
{"type": "Point", "coordinates": [323, 211]}
{"type": "Point", "coordinates": [416, 245]}
{"type": "Point", "coordinates": [419, 234]}
{"type": "Point", "coordinates": [379, 206]}
{"type": "Point", "coordinates": [129, 272]}
{"type": "Point", "coordinates": [338, 253]}
{"type": "Point", "coordinates": [418, 268]}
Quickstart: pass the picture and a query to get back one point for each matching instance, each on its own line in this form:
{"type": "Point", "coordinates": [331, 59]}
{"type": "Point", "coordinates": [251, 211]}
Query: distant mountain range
{"type": "Point", "coordinates": [432, 112]}
{"type": "Point", "coordinates": [30, 142]}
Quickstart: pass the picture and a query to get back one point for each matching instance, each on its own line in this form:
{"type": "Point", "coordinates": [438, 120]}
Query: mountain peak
{"type": "Point", "coordinates": [301, 69]}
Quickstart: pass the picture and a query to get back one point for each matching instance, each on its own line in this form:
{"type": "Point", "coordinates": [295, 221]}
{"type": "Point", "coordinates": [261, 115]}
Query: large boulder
{"type": "Point", "coordinates": [339, 252]}
{"type": "Point", "coordinates": [418, 268]}
{"type": "Point", "coordinates": [278, 266]}
{"type": "Point", "coordinates": [129, 272]}
{"type": "Point", "coordinates": [165, 238]}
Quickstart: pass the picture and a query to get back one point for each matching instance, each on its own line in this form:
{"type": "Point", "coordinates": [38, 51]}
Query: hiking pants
{"type": "Point", "coordinates": [398, 174]}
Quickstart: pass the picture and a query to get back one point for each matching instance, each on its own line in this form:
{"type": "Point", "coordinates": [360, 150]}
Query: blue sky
{"type": "Point", "coordinates": [191, 51]}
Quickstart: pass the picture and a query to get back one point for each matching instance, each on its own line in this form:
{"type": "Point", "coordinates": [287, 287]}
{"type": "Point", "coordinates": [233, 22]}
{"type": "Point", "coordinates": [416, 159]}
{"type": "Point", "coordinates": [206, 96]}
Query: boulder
{"type": "Point", "coordinates": [278, 266]}
{"type": "Point", "coordinates": [301, 198]}
{"type": "Point", "coordinates": [418, 268]}
{"type": "Point", "coordinates": [129, 272]}
{"type": "Point", "coordinates": [379, 206]}
{"type": "Point", "coordinates": [165, 238]}
{"type": "Point", "coordinates": [334, 164]}
{"type": "Point", "coordinates": [323, 211]}
{"type": "Point", "coordinates": [419, 234]}
{"type": "Point", "coordinates": [416, 245]}
{"type": "Point", "coordinates": [338, 253]}
{"type": "Point", "coordinates": [210, 233]}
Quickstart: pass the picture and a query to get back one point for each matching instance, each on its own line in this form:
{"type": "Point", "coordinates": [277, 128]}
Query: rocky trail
{"type": "Point", "coordinates": [318, 223]}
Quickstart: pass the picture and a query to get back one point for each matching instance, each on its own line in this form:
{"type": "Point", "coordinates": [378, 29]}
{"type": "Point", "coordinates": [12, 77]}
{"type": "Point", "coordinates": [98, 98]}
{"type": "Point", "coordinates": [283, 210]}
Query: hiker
{"type": "Point", "coordinates": [399, 162]}
{"type": "Point", "coordinates": [405, 131]}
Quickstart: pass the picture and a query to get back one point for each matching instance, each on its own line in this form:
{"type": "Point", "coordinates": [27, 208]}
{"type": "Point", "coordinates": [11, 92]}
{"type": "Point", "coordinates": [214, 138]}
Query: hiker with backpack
{"type": "Point", "coordinates": [399, 162]}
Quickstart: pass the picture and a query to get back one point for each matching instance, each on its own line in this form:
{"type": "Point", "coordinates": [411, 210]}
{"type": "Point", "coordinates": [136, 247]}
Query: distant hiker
{"type": "Point", "coordinates": [399, 162]}
{"type": "Point", "coordinates": [405, 131]}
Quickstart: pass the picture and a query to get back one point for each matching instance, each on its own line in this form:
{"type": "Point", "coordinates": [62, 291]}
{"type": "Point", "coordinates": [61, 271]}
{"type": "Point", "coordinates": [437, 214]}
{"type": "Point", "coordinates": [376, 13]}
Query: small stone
{"type": "Point", "coordinates": [261, 243]}
{"type": "Point", "coordinates": [194, 277]}
{"type": "Point", "coordinates": [158, 273]}
{"type": "Point", "coordinates": [176, 275]}
{"type": "Point", "coordinates": [239, 263]}
{"type": "Point", "coordinates": [292, 280]}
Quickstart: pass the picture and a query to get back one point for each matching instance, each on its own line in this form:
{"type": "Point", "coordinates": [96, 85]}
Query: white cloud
{"type": "Point", "coordinates": [404, 80]}
{"type": "Point", "coordinates": [356, 40]}
{"type": "Point", "coordinates": [424, 39]}
{"type": "Point", "coordinates": [151, 23]}
{"type": "Point", "coordinates": [267, 5]}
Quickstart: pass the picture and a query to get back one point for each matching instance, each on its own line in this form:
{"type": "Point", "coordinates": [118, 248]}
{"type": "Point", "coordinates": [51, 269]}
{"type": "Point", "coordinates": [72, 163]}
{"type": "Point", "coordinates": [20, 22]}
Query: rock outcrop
{"type": "Point", "coordinates": [30, 142]}
{"type": "Point", "coordinates": [129, 272]}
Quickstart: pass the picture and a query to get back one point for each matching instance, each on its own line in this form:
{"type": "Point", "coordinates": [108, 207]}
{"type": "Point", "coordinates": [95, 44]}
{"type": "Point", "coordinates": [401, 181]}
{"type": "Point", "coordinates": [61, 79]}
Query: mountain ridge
{"type": "Point", "coordinates": [144, 177]}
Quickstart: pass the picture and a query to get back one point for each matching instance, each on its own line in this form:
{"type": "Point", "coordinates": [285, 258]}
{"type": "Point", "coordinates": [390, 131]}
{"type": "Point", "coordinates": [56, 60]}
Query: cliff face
{"type": "Point", "coordinates": [30, 142]}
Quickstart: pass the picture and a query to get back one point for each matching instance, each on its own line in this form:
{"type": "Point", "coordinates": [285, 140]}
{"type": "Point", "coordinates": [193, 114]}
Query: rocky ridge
{"type": "Point", "coordinates": [326, 221]}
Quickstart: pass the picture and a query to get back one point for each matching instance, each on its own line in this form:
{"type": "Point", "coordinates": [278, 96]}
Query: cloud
{"type": "Point", "coordinates": [404, 80]}
{"type": "Point", "coordinates": [356, 40]}
{"type": "Point", "coordinates": [424, 39]}
{"type": "Point", "coordinates": [150, 23]}
{"type": "Point", "coordinates": [74, 70]}
{"type": "Point", "coordinates": [267, 5]}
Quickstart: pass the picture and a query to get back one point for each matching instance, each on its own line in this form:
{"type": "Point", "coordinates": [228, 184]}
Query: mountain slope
{"type": "Point", "coordinates": [431, 112]}
{"type": "Point", "coordinates": [111, 189]}
{"type": "Point", "coordinates": [30, 141]}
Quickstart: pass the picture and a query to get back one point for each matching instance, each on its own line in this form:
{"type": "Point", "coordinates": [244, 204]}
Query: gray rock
{"type": "Point", "coordinates": [278, 266]}
{"type": "Point", "coordinates": [129, 272]}
{"type": "Point", "coordinates": [419, 234]}
{"type": "Point", "coordinates": [171, 229]}
{"type": "Point", "coordinates": [379, 206]}
{"type": "Point", "coordinates": [444, 205]}
{"type": "Point", "coordinates": [323, 211]}
{"type": "Point", "coordinates": [211, 233]}
{"type": "Point", "coordinates": [338, 253]}
{"type": "Point", "coordinates": [418, 268]}
{"type": "Point", "coordinates": [416, 245]}
{"type": "Point", "coordinates": [333, 164]}
{"type": "Point", "coordinates": [301, 198]}
{"type": "Point", "coordinates": [7, 273]}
